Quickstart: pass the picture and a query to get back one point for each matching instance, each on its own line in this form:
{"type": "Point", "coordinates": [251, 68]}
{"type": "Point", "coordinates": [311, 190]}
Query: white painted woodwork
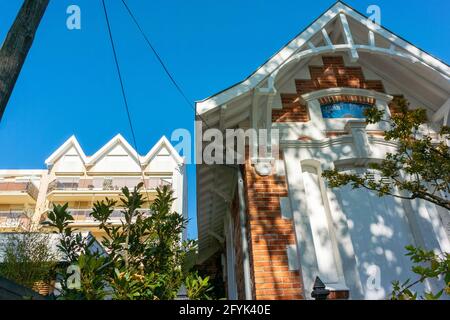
{"type": "Point", "coordinates": [348, 237]}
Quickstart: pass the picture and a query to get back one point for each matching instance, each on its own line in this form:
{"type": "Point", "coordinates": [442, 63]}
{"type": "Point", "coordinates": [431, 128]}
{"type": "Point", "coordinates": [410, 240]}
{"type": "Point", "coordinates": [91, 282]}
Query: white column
{"type": "Point", "coordinates": [345, 245]}
{"type": "Point", "coordinates": [303, 234]}
{"type": "Point", "coordinates": [179, 187]}
{"type": "Point", "coordinates": [317, 127]}
{"type": "Point", "coordinates": [357, 128]}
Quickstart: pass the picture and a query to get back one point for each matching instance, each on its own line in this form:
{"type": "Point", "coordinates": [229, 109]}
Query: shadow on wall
{"type": "Point", "coordinates": [369, 232]}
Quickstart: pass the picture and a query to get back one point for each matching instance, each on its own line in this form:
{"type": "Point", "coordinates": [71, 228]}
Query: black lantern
{"type": "Point", "coordinates": [319, 292]}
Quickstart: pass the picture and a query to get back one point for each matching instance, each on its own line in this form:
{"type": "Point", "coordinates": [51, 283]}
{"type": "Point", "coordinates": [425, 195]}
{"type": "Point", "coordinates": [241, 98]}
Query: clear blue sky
{"type": "Point", "coordinates": [69, 85]}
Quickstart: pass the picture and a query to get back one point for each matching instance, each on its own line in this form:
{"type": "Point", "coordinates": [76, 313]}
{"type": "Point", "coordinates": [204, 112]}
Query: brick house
{"type": "Point", "coordinates": [270, 226]}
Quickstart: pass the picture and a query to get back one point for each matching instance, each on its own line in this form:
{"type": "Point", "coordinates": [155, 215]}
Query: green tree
{"type": "Point", "coordinates": [146, 255]}
{"type": "Point", "coordinates": [198, 288]}
{"type": "Point", "coordinates": [419, 169]}
{"type": "Point", "coordinates": [28, 259]}
{"type": "Point", "coordinates": [429, 265]}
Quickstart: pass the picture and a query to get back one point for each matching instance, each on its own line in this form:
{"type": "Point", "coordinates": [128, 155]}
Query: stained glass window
{"type": "Point", "coordinates": [344, 110]}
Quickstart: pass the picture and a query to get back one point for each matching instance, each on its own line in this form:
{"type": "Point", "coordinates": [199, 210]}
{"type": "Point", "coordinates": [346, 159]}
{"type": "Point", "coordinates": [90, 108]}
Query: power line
{"type": "Point", "coordinates": [124, 96]}
{"type": "Point", "coordinates": [163, 65]}
{"type": "Point", "coordinates": [122, 87]}
{"type": "Point", "coordinates": [161, 62]}
{"type": "Point", "coordinates": [166, 70]}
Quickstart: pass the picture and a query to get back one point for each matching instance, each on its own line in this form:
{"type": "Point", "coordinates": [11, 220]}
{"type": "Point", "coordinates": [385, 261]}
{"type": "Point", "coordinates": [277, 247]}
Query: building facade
{"type": "Point", "coordinates": [273, 224]}
{"type": "Point", "coordinates": [79, 180]}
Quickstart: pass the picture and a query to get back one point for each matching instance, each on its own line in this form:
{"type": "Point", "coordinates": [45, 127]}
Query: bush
{"type": "Point", "coordinates": [28, 259]}
{"type": "Point", "coordinates": [146, 257]}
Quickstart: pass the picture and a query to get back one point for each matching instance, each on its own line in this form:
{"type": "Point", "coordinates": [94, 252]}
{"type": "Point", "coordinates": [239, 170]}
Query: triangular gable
{"type": "Point", "coordinates": [162, 143]}
{"type": "Point", "coordinates": [71, 143]}
{"type": "Point", "coordinates": [108, 147]}
{"type": "Point", "coordinates": [338, 11]}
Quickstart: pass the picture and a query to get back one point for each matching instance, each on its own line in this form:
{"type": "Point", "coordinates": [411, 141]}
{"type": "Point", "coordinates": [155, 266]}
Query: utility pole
{"type": "Point", "coordinates": [16, 46]}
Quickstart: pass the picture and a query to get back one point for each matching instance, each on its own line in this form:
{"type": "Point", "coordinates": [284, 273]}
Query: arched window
{"type": "Point", "coordinates": [344, 110]}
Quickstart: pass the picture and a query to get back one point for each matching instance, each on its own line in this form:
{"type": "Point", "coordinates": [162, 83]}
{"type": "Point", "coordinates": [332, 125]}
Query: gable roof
{"type": "Point", "coordinates": [292, 48]}
{"type": "Point", "coordinates": [118, 139]}
{"type": "Point", "coordinates": [71, 142]}
{"type": "Point", "coordinates": [163, 142]}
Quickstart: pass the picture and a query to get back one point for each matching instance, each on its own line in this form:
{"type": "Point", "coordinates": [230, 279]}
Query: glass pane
{"type": "Point", "coordinates": [344, 110]}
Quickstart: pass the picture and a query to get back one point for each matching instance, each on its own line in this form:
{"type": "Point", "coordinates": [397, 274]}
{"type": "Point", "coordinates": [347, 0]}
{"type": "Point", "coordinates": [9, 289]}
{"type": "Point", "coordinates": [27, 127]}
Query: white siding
{"type": "Point", "coordinates": [70, 161]}
{"type": "Point", "coordinates": [117, 159]}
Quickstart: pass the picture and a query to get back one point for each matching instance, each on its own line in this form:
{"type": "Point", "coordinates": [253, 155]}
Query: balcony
{"type": "Point", "coordinates": [82, 217]}
{"type": "Point", "coordinates": [14, 220]}
{"type": "Point", "coordinates": [92, 189]}
{"type": "Point", "coordinates": [18, 193]}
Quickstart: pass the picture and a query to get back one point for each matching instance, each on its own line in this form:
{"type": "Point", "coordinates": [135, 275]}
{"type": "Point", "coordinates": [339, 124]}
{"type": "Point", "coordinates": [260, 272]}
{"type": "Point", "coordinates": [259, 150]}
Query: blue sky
{"type": "Point", "coordinates": [69, 85]}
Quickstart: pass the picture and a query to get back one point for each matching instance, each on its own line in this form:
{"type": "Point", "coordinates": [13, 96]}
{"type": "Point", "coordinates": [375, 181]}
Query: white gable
{"type": "Point", "coordinates": [116, 156]}
{"type": "Point", "coordinates": [70, 161]}
{"type": "Point", "coordinates": [162, 161]}
{"type": "Point", "coordinates": [116, 159]}
{"type": "Point", "coordinates": [118, 150]}
{"type": "Point", "coordinates": [70, 148]}
{"type": "Point", "coordinates": [162, 157]}
{"type": "Point", "coordinates": [341, 29]}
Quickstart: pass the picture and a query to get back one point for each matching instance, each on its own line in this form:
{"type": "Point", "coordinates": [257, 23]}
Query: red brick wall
{"type": "Point", "coordinates": [269, 235]}
{"type": "Point", "coordinates": [339, 295]}
{"type": "Point", "coordinates": [332, 74]}
{"type": "Point", "coordinates": [293, 110]}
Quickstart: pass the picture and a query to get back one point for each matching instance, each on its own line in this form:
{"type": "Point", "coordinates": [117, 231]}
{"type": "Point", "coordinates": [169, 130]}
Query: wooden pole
{"type": "Point", "coordinates": [16, 46]}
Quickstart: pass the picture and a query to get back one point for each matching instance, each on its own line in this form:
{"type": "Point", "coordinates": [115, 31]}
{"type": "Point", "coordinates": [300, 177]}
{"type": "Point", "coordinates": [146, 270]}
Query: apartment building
{"type": "Point", "coordinates": [19, 193]}
{"type": "Point", "coordinates": [77, 179]}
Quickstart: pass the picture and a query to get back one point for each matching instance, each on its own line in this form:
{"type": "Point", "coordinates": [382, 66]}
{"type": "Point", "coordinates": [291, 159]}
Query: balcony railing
{"type": "Point", "coordinates": [14, 219]}
{"type": "Point", "coordinates": [21, 187]}
{"type": "Point", "coordinates": [104, 184]}
{"type": "Point", "coordinates": [84, 215]}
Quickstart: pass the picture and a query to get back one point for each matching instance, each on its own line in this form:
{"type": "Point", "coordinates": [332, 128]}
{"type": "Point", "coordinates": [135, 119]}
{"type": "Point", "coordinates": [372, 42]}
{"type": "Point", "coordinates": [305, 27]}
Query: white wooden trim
{"type": "Point", "coordinates": [372, 39]}
{"type": "Point", "coordinates": [423, 56]}
{"type": "Point", "coordinates": [263, 71]}
{"type": "Point", "coordinates": [222, 117]}
{"type": "Point", "coordinates": [406, 90]}
{"type": "Point", "coordinates": [285, 55]}
{"type": "Point", "coordinates": [326, 37]}
{"type": "Point", "coordinates": [443, 111]}
{"type": "Point", "coordinates": [349, 38]}
{"type": "Point", "coordinates": [347, 91]}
